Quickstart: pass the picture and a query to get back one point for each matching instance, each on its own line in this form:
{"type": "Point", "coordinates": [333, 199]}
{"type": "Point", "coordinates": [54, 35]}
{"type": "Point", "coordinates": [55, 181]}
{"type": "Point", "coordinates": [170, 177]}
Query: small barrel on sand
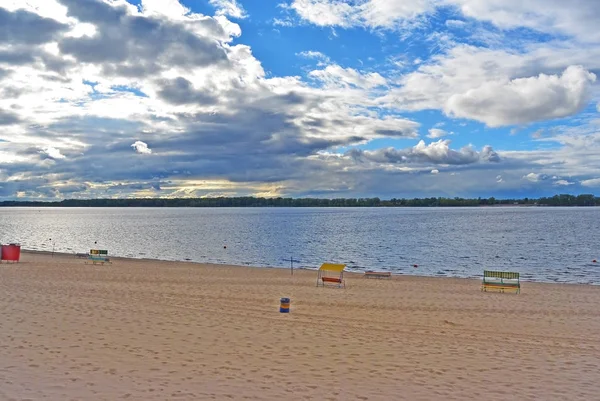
{"type": "Point", "coordinates": [284, 306]}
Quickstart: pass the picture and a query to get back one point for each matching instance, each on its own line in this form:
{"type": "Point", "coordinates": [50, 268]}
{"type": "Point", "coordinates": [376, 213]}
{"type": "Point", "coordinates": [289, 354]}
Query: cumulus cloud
{"type": "Point", "coordinates": [577, 19]}
{"type": "Point", "coordinates": [175, 76]}
{"type": "Point", "coordinates": [52, 153]}
{"type": "Point", "coordinates": [230, 8]}
{"type": "Point", "coordinates": [323, 12]}
{"type": "Point", "coordinates": [181, 91]}
{"type": "Point", "coordinates": [592, 182]}
{"type": "Point", "coordinates": [24, 27]}
{"type": "Point", "coordinates": [169, 8]}
{"type": "Point", "coordinates": [525, 100]}
{"type": "Point", "coordinates": [535, 177]}
{"type": "Point", "coordinates": [434, 153]}
{"type": "Point", "coordinates": [489, 154]}
{"type": "Point", "coordinates": [466, 69]}
{"type": "Point", "coordinates": [8, 118]}
{"type": "Point", "coordinates": [551, 16]}
{"type": "Point", "coordinates": [435, 133]}
{"type": "Point", "coordinates": [129, 46]}
{"type": "Point", "coordinates": [141, 148]}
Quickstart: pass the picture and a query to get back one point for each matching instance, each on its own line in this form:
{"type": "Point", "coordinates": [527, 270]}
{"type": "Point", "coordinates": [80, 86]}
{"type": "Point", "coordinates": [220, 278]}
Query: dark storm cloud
{"type": "Point", "coordinates": [8, 118]}
{"type": "Point", "coordinates": [181, 91]}
{"type": "Point", "coordinates": [138, 45]}
{"type": "Point", "coordinates": [4, 73]}
{"type": "Point", "coordinates": [20, 55]}
{"type": "Point", "coordinates": [24, 27]}
{"type": "Point", "coordinates": [16, 57]}
{"type": "Point", "coordinates": [260, 143]}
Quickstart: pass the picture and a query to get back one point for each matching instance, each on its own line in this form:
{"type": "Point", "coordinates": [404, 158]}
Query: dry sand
{"type": "Point", "coordinates": [151, 330]}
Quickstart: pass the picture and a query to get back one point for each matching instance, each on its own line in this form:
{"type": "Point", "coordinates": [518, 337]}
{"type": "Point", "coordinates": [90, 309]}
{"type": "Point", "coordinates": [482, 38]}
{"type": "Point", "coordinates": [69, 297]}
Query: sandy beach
{"type": "Point", "coordinates": [152, 330]}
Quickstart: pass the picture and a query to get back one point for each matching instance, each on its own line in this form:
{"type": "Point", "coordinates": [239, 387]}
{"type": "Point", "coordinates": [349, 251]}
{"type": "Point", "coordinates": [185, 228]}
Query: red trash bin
{"type": "Point", "coordinates": [11, 252]}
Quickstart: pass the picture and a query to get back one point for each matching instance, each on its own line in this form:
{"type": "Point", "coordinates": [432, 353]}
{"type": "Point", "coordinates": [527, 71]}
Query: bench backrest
{"type": "Point", "coordinates": [497, 274]}
{"type": "Point", "coordinates": [98, 252]}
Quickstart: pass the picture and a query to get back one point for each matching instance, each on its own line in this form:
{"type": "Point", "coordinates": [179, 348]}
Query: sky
{"type": "Point", "coordinates": [299, 98]}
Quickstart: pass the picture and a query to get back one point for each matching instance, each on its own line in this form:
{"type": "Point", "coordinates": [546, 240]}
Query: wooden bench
{"type": "Point", "coordinates": [372, 274]}
{"type": "Point", "coordinates": [496, 280]}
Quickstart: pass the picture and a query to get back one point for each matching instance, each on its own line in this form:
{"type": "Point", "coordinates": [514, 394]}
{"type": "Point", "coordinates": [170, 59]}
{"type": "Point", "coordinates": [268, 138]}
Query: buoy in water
{"type": "Point", "coordinates": [225, 247]}
{"type": "Point", "coordinates": [594, 261]}
{"type": "Point", "coordinates": [415, 266]}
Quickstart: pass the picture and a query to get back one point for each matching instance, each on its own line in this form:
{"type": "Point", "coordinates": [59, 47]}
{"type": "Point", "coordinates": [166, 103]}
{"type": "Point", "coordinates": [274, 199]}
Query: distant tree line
{"type": "Point", "coordinates": [249, 201]}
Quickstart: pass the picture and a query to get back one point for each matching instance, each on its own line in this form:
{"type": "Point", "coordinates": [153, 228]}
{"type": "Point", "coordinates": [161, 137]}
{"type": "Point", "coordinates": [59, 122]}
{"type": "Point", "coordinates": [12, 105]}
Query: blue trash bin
{"type": "Point", "coordinates": [284, 306]}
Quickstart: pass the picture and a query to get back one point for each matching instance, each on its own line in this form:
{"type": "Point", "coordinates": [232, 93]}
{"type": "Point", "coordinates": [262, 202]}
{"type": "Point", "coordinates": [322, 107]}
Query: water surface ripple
{"type": "Point", "coordinates": [544, 244]}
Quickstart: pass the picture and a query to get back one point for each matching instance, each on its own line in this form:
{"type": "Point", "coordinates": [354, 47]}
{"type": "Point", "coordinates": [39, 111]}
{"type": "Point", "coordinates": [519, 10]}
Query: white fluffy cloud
{"type": "Point", "coordinates": [466, 80]}
{"type": "Point", "coordinates": [438, 152]}
{"type": "Point", "coordinates": [578, 18]}
{"type": "Point", "coordinates": [168, 8]}
{"type": "Point", "coordinates": [593, 182]}
{"type": "Point", "coordinates": [537, 177]}
{"type": "Point", "coordinates": [495, 86]}
{"type": "Point", "coordinates": [435, 133]}
{"type": "Point", "coordinates": [141, 148]}
{"type": "Point", "coordinates": [52, 153]}
{"type": "Point", "coordinates": [524, 100]}
{"type": "Point", "coordinates": [230, 8]}
{"type": "Point", "coordinates": [324, 12]}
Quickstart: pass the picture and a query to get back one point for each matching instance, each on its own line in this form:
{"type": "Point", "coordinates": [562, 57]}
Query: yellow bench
{"type": "Point", "coordinates": [331, 273]}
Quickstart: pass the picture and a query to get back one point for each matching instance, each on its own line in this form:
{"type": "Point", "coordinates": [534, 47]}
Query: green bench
{"type": "Point", "coordinates": [98, 256]}
{"type": "Point", "coordinates": [501, 281]}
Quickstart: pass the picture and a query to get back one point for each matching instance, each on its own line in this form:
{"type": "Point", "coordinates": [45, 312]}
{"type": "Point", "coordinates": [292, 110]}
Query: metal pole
{"type": "Point", "coordinates": [292, 264]}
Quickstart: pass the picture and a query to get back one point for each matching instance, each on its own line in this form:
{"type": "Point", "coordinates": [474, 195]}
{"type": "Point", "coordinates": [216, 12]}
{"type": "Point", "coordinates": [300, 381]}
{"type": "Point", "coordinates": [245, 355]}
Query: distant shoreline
{"type": "Point", "coordinates": [296, 207]}
{"type": "Point", "coordinates": [585, 200]}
